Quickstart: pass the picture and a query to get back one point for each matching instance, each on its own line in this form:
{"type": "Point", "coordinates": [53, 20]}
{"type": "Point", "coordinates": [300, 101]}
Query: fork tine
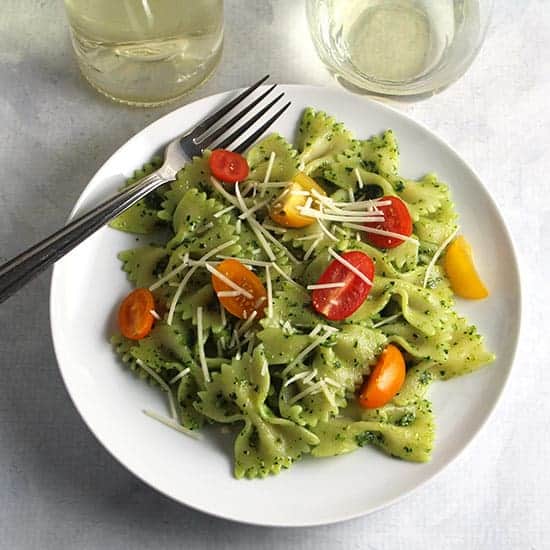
{"type": "Point", "coordinates": [256, 135]}
{"type": "Point", "coordinates": [213, 118]}
{"type": "Point", "coordinates": [210, 138]}
{"type": "Point", "coordinates": [247, 124]}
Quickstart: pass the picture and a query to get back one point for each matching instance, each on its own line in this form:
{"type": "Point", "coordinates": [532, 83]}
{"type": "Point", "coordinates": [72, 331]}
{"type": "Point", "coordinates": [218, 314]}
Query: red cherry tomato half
{"type": "Point", "coordinates": [396, 219]}
{"type": "Point", "coordinates": [228, 166]}
{"type": "Point", "coordinates": [338, 303]}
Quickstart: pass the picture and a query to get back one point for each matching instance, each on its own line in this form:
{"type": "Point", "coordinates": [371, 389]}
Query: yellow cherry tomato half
{"type": "Point", "coordinates": [460, 268]}
{"type": "Point", "coordinates": [286, 209]}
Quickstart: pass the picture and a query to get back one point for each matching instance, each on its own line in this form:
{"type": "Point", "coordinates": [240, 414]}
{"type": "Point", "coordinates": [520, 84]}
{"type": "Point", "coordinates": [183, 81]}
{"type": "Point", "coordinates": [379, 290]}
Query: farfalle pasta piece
{"type": "Point", "coordinates": [266, 443]}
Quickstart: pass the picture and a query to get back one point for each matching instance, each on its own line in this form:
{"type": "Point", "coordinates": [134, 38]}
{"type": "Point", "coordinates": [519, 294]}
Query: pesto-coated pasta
{"type": "Point", "coordinates": [287, 379]}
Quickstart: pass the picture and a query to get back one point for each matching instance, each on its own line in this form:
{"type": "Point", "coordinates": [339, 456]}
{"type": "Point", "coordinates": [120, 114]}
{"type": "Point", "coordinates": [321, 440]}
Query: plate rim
{"type": "Point", "coordinates": [517, 329]}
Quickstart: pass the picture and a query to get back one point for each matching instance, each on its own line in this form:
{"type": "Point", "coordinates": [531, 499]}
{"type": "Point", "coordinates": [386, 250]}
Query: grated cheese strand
{"type": "Point", "coordinates": [228, 293]}
{"type": "Point", "coordinates": [327, 394]}
{"type": "Point", "coordinates": [190, 273]}
{"type": "Point", "coordinates": [351, 267]}
{"type": "Point", "coordinates": [268, 172]}
{"type": "Point", "coordinates": [163, 385]}
{"type": "Point", "coordinates": [254, 225]}
{"type": "Point", "coordinates": [295, 378]}
{"type": "Point", "coordinates": [269, 286]}
{"type": "Point", "coordinates": [438, 253]}
{"type": "Point", "coordinates": [251, 211]}
{"type": "Point", "coordinates": [154, 314]}
{"type": "Point", "coordinates": [359, 178]}
{"type": "Point", "coordinates": [171, 424]}
{"type": "Point", "coordinates": [307, 350]}
{"type": "Point", "coordinates": [223, 211]}
{"type": "Point", "coordinates": [322, 215]}
{"type": "Point", "coordinates": [179, 376]}
{"type": "Point", "coordinates": [314, 388]}
{"type": "Point", "coordinates": [245, 261]}
{"type": "Point", "coordinates": [383, 232]}
{"type": "Point", "coordinates": [172, 274]}
{"type": "Point", "coordinates": [246, 325]}
{"type": "Point", "coordinates": [312, 248]}
{"type": "Point", "coordinates": [309, 237]}
{"type": "Point", "coordinates": [219, 188]}
{"type": "Point", "coordinates": [288, 279]}
{"type": "Point", "coordinates": [386, 320]}
{"type": "Point", "coordinates": [200, 342]}
{"type": "Point", "coordinates": [324, 286]}
{"type": "Point", "coordinates": [228, 282]}
{"type": "Point", "coordinates": [312, 375]}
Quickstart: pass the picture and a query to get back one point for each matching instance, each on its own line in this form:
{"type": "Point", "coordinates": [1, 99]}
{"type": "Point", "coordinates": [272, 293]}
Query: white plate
{"type": "Point", "coordinates": [88, 284]}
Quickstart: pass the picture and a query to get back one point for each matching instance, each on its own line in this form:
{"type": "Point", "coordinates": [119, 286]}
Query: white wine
{"type": "Point", "coordinates": [146, 52]}
{"type": "Point", "coordinates": [397, 46]}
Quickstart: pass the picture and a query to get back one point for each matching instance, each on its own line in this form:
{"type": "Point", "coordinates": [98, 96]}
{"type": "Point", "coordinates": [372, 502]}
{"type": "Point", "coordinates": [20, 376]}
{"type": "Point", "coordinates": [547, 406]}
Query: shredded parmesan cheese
{"type": "Point", "coordinates": [386, 320]}
{"type": "Point", "coordinates": [327, 394]}
{"type": "Point", "coordinates": [170, 275]}
{"type": "Point", "coordinates": [228, 282]}
{"type": "Point", "coordinates": [295, 378]}
{"type": "Point", "coordinates": [307, 350]}
{"type": "Point", "coordinates": [287, 278]}
{"type": "Point", "coordinates": [312, 248]}
{"type": "Point", "coordinates": [190, 273]}
{"type": "Point", "coordinates": [269, 286]}
{"type": "Point", "coordinates": [438, 253]}
{"type": "Point", "coordinates": [154, 314]}
{"type": "Point", "coordinates": [245, 261]}
{"type": "Point", "coordinates": [254, 225]}
{"type": "Point", "coordinates": [163, 385]}
{"type": "Point", "coordinates": [245, 326]}
{"type": "Point", "coordinates": [325, 286]}
{"type": "Point", "coordinates": [268, 172]}
{"type": "Point", "coordinates": [383, 232]}
{"type": "Point", "coordinates": [314, 388]}
{"type": "Point", "coordinates": [180, 375]}
{"type": "Point", "coordinates": [359, 178]}
{"type": "Point", "coordinates": [171, 424]}
{"type": "Point", "coordinates": [223, 211]}
{"type": "Point", "coordinates": [200, 343]}
{"type": "Point", "coordinates": [351, 267]}
{"type": "Point", "coordinates": [251, 211]}
{"type": "Point", "coordinates": [228, 293]}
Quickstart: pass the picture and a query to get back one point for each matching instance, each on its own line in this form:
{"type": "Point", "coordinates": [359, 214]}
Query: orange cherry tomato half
{"type": "Point", "coordinates": [396, 219]}
{"type": "Point", "coordinates": [228, 166]}
{"type": "Point", "coordinates": [135, 319]}
{"type": "Point", "coordinates": [385, 380]}
{"type": "Point", "coordinates": [338, 303]}
{"type": "Point", "coordinates": [239, 305]}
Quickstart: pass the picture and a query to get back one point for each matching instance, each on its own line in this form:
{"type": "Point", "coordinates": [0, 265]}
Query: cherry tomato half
{"type": "Point", "coordinates": [228, 166]}
{"type": "Point", "coordinates": [338, 303]}
{"type": "Point", "coordinates": [396, 219]}
{"type": "Point", "coordinates": [285, 211]}
{"type": "Point", "coordinates": [239, 305]}
{"type": "Point", "coordinates": [385, 380]}
{"type": "Point", "coordinates": [135, 319]}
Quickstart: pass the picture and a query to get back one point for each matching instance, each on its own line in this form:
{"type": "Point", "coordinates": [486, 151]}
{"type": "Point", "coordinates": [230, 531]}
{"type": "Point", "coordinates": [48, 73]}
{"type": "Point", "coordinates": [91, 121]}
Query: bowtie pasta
{"type": "Point", "coordinates": [287, 378]}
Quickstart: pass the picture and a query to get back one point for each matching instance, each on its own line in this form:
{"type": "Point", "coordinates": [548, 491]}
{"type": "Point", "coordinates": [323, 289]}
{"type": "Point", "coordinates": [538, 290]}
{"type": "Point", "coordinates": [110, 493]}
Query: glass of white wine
{"type": "Point", "coordinates": [146, 52]}
{"type": "Point", "coordinates": [398, 47]}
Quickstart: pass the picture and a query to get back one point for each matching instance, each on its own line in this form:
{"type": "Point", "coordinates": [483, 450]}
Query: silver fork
{"type": "Point", "coordinates": [17, 272]}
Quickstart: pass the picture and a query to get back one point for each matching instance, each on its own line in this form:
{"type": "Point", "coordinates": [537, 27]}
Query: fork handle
{"type": "Point", "coordinates": [18, 271]}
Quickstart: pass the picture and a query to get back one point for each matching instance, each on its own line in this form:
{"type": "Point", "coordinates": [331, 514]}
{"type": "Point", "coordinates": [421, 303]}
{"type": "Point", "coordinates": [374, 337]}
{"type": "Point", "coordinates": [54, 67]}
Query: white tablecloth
{"type": "Point", "coordinates": [60, 489]}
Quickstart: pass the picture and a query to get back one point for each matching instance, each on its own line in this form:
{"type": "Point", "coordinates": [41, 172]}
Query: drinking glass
{"type": "Point", "coordinates": [146, 52]}
{"type": "Point", "coordinates": [398, 47]}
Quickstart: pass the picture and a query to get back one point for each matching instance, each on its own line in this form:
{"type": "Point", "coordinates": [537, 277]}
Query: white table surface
{"type": "Point", "coordinates": [60, 489]}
